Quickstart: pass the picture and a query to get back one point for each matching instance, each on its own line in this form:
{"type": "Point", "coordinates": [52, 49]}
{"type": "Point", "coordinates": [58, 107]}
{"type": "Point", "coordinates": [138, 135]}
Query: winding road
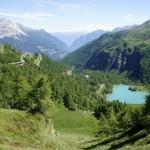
{"type": "Point", "coordinates": [22, 61]}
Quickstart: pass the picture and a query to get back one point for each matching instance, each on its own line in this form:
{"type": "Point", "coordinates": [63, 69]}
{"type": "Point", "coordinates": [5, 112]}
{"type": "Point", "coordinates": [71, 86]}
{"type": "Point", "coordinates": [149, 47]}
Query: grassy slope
{"type": "Point", "coordinates": [19, 130]}
{"type": "Point", "coordinates": [75, 128]}
{"type": "Point", "coordinates": [127, 140]}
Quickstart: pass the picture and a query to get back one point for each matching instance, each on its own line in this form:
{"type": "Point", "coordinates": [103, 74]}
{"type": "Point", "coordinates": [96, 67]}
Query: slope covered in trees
{"type": "Point", "coordinates": [8, 54]}
{"type": "Point", "coordinates": [20, 86]}
{"type": "Point", "coordinates": [124, 51]}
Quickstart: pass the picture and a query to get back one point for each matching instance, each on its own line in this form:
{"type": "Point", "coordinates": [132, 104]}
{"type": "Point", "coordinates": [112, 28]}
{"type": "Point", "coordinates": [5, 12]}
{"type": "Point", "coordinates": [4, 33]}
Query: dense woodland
{"type": "Point", "coordinates": [74, 91]}
{"type": "Point", "coordinates": [18, 82]}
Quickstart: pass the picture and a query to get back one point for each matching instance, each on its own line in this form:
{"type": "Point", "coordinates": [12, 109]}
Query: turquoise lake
{"type": "Point", "coordinates": [123, 94]}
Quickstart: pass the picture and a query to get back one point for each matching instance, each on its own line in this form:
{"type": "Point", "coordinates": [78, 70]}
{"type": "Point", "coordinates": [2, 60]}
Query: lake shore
{"type": "Point", "coordinates": [122, 93]}
{"type": "Point", "coordinates": [138, 88]}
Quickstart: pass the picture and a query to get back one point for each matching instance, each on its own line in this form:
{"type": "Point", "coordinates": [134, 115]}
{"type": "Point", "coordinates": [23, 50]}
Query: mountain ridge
{"type": "Point", "coordinates": [27, 39]}
{"type": "Point", "coordinates": [84, 39]}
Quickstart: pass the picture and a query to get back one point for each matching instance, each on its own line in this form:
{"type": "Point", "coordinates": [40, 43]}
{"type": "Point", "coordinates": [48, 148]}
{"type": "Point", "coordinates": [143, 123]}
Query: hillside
{"type": "Point", "coordinates": [17, 125]}
{"type": "Point", "coordinates": [8, 54]}
{"type": "Point", "coordinates": [26, 39]}
{"type": "Point", "coordinates": [75, 127]}
{"type": "Point", "coordinates": [124, 51]}
{"type": "Point", "coordinates": [75, 40]}
{"type": "Point", "coordinates": [18, 82]}
{"type": "Point", "coordinates": [31, 94]}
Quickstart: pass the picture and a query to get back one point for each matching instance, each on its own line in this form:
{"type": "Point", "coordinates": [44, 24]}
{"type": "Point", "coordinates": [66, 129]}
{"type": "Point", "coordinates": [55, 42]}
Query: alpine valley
{"type": "Point", "coordinates": [63, 105]}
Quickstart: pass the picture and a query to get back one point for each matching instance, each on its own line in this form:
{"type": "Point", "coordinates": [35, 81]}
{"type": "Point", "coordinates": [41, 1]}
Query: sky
{"type": "Point", "coordinates": [75, 15]}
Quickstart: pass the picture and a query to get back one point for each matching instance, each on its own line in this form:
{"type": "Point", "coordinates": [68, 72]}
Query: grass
{"type": "Point", "coordinates": [19, 130]}
{"type": "Point", "coordinates": [120, 142]}
{"type": "Point", "coordinates": [74, 130]}
{"type": "Point", "coordinates": [135, 106]}
{"type": "Point", "coordinates": [75, 121]}
{"type": "Point", "coordinates": [22, 131]}
{"type": "Point", "coordinates": [75, 127]}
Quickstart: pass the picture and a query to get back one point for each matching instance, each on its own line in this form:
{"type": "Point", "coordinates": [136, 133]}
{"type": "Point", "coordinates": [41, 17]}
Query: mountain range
{"type": "Point", "coordinates": [75, 40]}
{"type": "Point", "coordinates": [124, 51]}
{"type": "Point", "coordinates": [27, 39]}
{"type": "Point", "coordinates": [40, 41]}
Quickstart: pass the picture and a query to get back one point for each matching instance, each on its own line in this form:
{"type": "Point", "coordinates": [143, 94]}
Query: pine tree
{"type": "Point", "coordinates": [40, 99]}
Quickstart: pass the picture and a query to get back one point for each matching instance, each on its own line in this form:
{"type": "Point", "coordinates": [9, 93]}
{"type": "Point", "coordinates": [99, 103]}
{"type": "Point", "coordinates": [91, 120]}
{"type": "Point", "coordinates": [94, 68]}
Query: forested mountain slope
{"type": "Point", "coordinates": [87, 38]}
{"type": "Point", "coordinates": [127, 50]}
{"type": "Point", "coordinates": [18, 81]}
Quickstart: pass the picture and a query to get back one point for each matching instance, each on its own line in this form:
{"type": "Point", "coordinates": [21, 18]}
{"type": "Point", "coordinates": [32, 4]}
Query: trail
{"type": "Point", "coordinates": [39, 59]}
{"type": "Point", "coordinates": [27, 54]}
{"type": "Point", "coordinates": [22, 61]}
{"type": "Point", "coordinates": [101, 86]}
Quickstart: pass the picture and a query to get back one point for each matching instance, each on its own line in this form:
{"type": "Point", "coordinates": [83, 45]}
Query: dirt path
{"type": "Point", "coordinates": [39, 59]}
{"type": "Point", "coordinates": [26, 54]}
{"type": "Point", "coordinates": [100, 88]}
{"type": "Point", "coordinates": [22, 61]}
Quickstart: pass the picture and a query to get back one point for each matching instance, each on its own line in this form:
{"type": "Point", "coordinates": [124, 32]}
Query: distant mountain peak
{"type": "Point", "coordinates": [124, 28]}
{"type": "Point", "coordinates": [86, 38]}
{"type": "Point", "coordinates": [9, 29]}
{"type": "Point", "coordinates": [146, 23]}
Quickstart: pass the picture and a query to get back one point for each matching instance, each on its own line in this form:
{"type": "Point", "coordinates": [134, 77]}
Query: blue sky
{"type": "Point", "coordinates": [75, 15]}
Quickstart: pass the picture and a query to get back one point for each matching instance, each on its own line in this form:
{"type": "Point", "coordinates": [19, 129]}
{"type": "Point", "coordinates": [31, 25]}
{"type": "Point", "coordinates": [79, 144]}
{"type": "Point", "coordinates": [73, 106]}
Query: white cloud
{"type": "Point", "coordinates": [28, 16]}
{"type": "Point", "coordinates": [90, 28]}
{"type": "Point", "coordinates": [87, 28]}
{"type": "Point", "coordinates": [130, 17]}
